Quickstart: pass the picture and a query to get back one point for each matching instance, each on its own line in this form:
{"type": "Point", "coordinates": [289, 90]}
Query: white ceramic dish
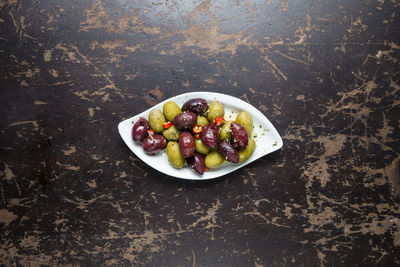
{"type": "Point", "coordinates": [266, 136]}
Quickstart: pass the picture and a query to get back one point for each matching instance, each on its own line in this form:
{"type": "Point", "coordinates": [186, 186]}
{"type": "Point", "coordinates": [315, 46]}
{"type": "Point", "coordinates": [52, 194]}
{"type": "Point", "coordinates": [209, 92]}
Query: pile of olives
{"type": "Point", "coordinates": [196, 134]}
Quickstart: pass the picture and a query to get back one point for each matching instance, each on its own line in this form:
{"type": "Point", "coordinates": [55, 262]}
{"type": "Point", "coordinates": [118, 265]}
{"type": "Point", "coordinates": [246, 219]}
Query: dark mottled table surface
{"type": "Point", "coordinates": [326, 74]}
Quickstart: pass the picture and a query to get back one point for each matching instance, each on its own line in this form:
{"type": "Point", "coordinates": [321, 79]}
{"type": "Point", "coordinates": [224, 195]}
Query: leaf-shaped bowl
{"type": "Point", "coordinates": [265, 135]}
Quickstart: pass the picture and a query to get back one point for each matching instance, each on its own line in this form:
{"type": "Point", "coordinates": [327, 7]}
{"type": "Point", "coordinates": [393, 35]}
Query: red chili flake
{"type": "Point", "coordinates": [167, 124]}
{"type": "Point", "coordinates": [206, 169]}
{"type": "Point", "coordinates": [197, 136]}
{"type": "Point", "coordinates": [151, 132]}
{"type": "Point", "coordinates": [220, 121]}
{"type": "Point", "coordinates": [197, 129]}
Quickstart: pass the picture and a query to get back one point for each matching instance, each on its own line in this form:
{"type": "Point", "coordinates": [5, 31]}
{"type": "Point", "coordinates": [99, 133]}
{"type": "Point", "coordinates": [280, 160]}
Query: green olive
{"type": "Point", "coordinates": [216, 109]}
{"type": "Point", "coordinates": [175, 157]}
{"type": "Point", "coordinates": [248, 151]}
{"type": "Point", "coordinates": [171, 134]}
{"type": "Point", "coordinates": [213, 159]}
{"type": "Point", "coordinates": [201, 147]}
{"type": "Point", "coordinates": [156, 120]}
{"type": "Point", "coordinates": [171, 110]}
{"type": "Point", "coordinates": [225, 132]}
{"type": "Point", "coordinates": [244, 119]}
{"type": "Point", "coordinates": [201, 121]}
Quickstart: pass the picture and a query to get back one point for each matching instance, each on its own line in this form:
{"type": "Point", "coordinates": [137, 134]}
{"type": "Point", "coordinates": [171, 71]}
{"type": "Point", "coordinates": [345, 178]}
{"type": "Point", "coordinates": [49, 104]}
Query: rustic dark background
{"type": "Point", "coordinates": [326, 73]}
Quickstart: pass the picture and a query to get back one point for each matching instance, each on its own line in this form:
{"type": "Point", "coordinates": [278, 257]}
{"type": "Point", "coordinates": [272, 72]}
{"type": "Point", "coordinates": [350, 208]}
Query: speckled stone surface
{"type": "Point", "coordinates": [326, 73]}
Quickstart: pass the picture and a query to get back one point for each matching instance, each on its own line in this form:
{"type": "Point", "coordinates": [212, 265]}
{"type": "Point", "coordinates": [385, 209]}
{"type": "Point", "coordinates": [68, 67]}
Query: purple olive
{"type": "Point", "coordinates": [186, 144]}
{"type": "Point", "coordinates": [139, 130]}
{"type": "Point", "coordinates": [209, 135]}
{"type": "Point", "coordinates": [240, 138]}
{"type": "Point", "coordinates": [154, 144]}
{"type": "Point", "coordinates": [196, 163]}
{"type": "Point", "coordinates": [185, 121]}
{"type": "Point", "coordinates": [196, 105]}
{"type": "Point", "coordinates": [228, 152]}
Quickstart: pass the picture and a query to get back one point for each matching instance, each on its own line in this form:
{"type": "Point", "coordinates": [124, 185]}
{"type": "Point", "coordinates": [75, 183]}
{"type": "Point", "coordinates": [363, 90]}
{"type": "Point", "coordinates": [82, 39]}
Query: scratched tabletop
{"type": "Point", "coordinates": [325, 73]}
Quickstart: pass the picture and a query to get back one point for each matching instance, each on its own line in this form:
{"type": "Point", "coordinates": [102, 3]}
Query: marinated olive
{"type": "Point", "coordinates": [248, 151]}
{"type": "Point", "coordinates": [171, 134]}
{"type": "Point", "coordinates": [185, 120]}
{"type": "Point", "coordinates": [196, 105]}
{"type": "Point", "coordinates": [244, 119]}
{"type": "Point", "coordinates": [197, 163]}
{"type": "Point", "coordinates": [213, 159]}
{"type": "Point", "coordinates": [175, 157]}
{"type": "Point", "coordinates": [209, 135]}
{"type": "Point", "coordinates": [200, 147]}
{"type": "Point", "coordinates": [171, 110]}
{"type": "Point", "coordinates": [216, 109]}
{"type": "Point", "coordinates": [240, 138]}
{"type": "Point", "coordinates": [225, 132]}
{"type": "Point", "coordinates": [186, 144]}
{"type": "Point", "coordinates": [228, 152]}
{"type": "Point", "coordinates": [201, 121]}
{"type": "Point", "coordinates": [139, 130]}
{"type": "Point", "coordinates": [154, 144]}
{"type": "Point", "coordinates": [156, 120]}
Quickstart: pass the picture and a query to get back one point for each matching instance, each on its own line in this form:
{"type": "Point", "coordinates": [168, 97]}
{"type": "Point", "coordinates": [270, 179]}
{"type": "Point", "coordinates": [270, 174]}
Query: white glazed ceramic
{"type": "Point", "coordinates": [266, 136]}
